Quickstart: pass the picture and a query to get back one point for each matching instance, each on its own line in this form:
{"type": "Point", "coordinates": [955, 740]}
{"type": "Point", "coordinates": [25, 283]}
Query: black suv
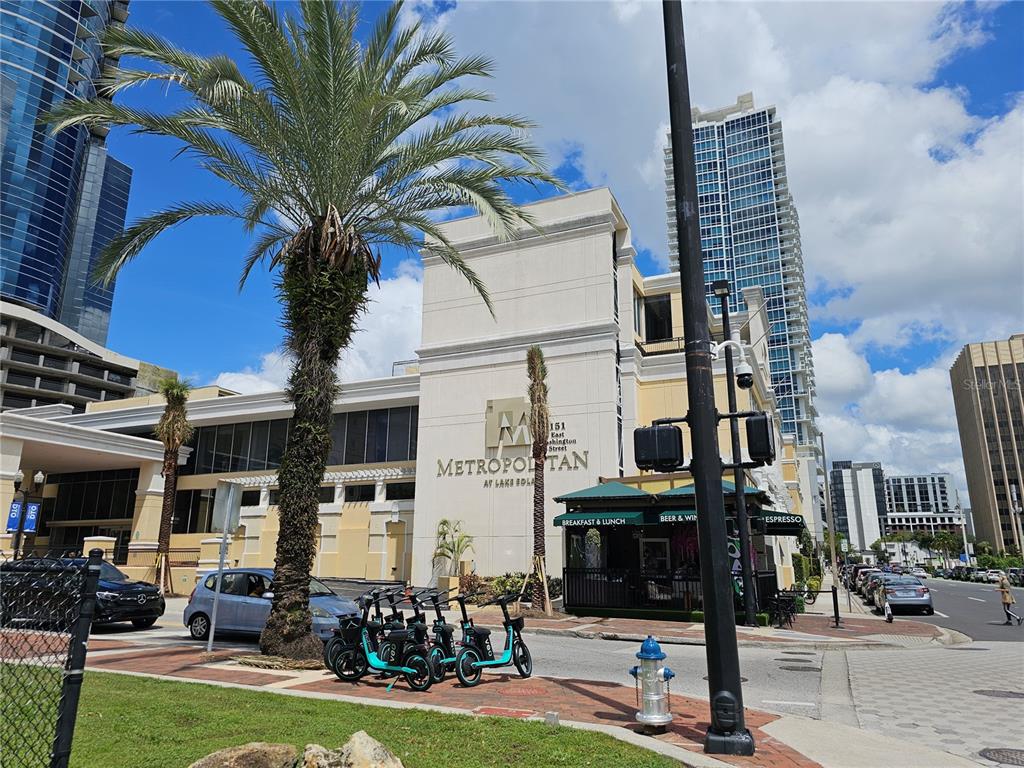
{"type": "Point", "coordinates": [36, 590]}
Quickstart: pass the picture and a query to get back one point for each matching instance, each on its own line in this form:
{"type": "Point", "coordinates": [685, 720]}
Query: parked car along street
{"type": "Point", "coordinates": [244, 604]}
{"type": "Point", "coordinates": [904, 592]}
{"type": "Point", "coordinates": [118, 598]}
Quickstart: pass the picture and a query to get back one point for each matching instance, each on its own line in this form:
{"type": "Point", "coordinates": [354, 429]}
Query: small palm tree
{"type": "Point", "coordinates": [336, 149]}
{"type": "Point", "coordinates": [540, 431]}
{"type": "Point", "coordinates": [451, 544]}
{"type": "Point", "coordinates": [173, 430]}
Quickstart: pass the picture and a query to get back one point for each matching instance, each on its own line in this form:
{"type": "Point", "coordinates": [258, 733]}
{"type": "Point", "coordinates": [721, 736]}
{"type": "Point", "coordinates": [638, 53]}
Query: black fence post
{"type": "Point", "coordinates": [75, 669]}
{"type": "Point", "coordinates": [835, 604]}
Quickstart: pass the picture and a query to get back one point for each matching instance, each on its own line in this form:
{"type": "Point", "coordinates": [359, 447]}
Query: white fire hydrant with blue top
{"type": "Point", "coordinates": [652, 681]}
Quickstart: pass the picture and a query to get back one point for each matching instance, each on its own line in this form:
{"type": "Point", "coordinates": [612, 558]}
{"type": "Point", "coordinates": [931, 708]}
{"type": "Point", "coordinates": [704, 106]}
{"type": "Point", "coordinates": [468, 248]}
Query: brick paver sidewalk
{"type": "Point", "coordinates": [588, 701]}
{"type": "Point", "coordinates": [807, 628]}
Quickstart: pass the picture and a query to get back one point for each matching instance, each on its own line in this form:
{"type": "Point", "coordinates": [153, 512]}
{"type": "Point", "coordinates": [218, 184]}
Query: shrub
{"type": "Point", "coordinates": [799, 604]}
{"type": "Point", "coordinates": [814, 583]}
{"type": "Point", "coordinates": [799, 568]}
{"type": "Point", "coordinates": [506, 583]}
{"type": "Point", "coordinates": [762, 619]}
{"type": "Point", "coordinates": [697, 616]}
{"type": "Point", "coordinates": [470, 583]}
{"type": "Point", "coordinates": [554, 587]}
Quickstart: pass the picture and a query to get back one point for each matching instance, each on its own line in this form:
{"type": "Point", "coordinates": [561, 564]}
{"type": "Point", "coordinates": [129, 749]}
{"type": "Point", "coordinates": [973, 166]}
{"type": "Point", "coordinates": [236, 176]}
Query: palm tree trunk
{"type": "Point", "coordinates": [322, 303]}
{"type": "Point", "coordinates": [537, 593]}
{"type": "Point", "coordinates": [163, 545]}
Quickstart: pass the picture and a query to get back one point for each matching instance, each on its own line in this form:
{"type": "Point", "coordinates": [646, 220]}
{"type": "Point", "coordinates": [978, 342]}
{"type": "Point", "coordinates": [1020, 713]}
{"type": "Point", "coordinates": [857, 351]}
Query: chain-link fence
{"type": "Point", "coordinates": [46, 610]}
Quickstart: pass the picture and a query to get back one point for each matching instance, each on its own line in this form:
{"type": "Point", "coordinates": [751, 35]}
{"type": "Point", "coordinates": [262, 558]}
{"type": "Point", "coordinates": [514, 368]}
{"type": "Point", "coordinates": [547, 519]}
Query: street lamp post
{"type": "Point", "coordinates": [727, 733]}
{"type": "Point", "coordinates": [721, 289]}
{"type": "Point", "coordinates": [38, 478]}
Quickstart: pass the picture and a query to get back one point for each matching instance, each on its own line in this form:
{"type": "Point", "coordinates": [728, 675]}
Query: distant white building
{"type": "Point", "coordinates": [858, 502]}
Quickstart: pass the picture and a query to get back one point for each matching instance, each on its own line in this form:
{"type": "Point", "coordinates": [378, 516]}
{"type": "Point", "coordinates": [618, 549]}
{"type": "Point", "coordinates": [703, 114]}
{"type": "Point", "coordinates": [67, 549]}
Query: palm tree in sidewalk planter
{"type": "Point", "coordinates": [336, 149]}
{"type": "Point", "coordinates": [540, 431]}
{"type": "Point", "coordinates": [173, 430]}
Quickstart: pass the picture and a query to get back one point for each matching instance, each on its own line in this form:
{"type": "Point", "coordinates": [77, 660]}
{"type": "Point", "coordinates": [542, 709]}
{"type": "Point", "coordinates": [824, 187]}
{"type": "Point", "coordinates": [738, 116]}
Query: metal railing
{"type": "Point", "coordinates": [46, 610]}
{"type": "Point", "coordinates": [661, 346]}
{"type": "Point", "coordinates": [627, 588]}
{"type": "Point", "coordinates": [176, 558]}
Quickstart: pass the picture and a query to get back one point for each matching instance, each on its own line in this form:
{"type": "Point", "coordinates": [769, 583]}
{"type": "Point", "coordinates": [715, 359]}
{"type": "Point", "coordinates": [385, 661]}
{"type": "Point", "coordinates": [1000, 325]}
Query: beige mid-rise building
{"type": "Point", "coordinates": [987, 379]}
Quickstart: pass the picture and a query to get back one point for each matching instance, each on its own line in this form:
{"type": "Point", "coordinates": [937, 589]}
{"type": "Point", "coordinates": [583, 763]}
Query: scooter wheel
{"type": "Point", "coordinates": [350, 664]}
{"type": "Point", "coordinates": [464, 670]}
{"type": "Point", "coordinates": [421, 678]}
{"type": "Point", "coordinates": [437, 665]}
{"type": "Point", "coordinates": [332, 648]}
{"type": "Point", "coordinates": [522, 658]}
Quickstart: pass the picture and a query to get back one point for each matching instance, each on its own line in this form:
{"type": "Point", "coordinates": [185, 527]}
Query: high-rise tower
{"type": "Point", "coordinates": [750, 235]}
{"type": "Point", "coordinates": [63, 197]}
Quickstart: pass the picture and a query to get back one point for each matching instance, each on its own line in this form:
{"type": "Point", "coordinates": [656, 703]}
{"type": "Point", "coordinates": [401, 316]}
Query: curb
{"type": "Point", "coordinates": [949, 637]}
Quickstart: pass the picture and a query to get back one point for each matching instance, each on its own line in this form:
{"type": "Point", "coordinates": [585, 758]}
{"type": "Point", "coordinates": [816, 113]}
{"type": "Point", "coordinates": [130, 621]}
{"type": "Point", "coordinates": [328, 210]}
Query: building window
{"type": "Point", "coordinates": [360, 493]}
{"type": "Point", "coordinates": [658, 318]}
{"type": "Point", "coordinates": [193, 511]}
{"type": "Point", "coordinates": [250, 498]}
{"type": "Point", "coordinates": [21, 379]}
{"type": "Point", "coordinates": [400, 491]}
{"type": "Point", "coordinates": [326, 494]}
{"type": "Point", "coordinates": [274, 497]}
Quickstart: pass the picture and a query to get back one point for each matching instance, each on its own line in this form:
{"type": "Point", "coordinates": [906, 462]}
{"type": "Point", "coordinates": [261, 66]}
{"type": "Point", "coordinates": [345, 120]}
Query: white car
{"type": "Point", "coordinates": [918, 571]}
{"type": "Point", "coordinates": [993, 576]}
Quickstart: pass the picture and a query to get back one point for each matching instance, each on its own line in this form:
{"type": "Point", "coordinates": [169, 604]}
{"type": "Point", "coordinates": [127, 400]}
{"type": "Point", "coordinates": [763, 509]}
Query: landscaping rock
{"type": "Point", "coordinates": [360, 751]}
{"type": "Point", "coordinates": [255, 754]}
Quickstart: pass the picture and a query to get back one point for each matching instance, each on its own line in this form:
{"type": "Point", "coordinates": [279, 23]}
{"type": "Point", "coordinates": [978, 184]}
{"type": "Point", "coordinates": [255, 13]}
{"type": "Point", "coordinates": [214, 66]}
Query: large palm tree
{"type": "Point", "coordinates": [336, 148]}
{"type": "Point", "coordinates": [540, 431]}
{"type": "Point", "coordinates": [173, 430]}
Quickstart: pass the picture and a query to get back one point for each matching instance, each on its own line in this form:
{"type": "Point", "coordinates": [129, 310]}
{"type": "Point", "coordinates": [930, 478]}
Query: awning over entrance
{"type": "Point", "coordinates": [604, 492]}
{"type": "Point", "coordinates": [779, 524]}
{"type": "Point", "coordinates": [682, 492]}
{"type": "Point", "coordinates": [677, 516]}
{"type": "Point", "coordinates": [597, 518]}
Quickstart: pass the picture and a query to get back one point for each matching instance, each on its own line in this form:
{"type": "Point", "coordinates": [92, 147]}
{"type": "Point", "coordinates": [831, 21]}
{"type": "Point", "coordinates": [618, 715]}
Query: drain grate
{"type": "Point", "coordinates": [1000, 694]}
{"type": "Point", "coordinates": [968, 649]}
{"type": "Point", "coordinates": [801, 653]}
{"type": "Point", "coordinates": [801, 669]}
{"type": "Point", "coordinates": [792, 661]}
{"type": "Point", "coordinates": [1004, 756]}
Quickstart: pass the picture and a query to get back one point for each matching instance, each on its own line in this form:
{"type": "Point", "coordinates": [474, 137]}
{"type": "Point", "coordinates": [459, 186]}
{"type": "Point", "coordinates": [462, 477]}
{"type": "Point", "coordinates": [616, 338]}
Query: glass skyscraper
{"type": "Point", "coordinates": [750, 235]}
{"type": "Point", "coordinates": [63, 197]}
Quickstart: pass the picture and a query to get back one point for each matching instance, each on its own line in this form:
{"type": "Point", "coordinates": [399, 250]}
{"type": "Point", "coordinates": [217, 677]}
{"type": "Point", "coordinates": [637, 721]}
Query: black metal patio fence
{"type": "Point", "coordinates": [630, 589]}
{"type": "Point", "coordinates": [46, 610]}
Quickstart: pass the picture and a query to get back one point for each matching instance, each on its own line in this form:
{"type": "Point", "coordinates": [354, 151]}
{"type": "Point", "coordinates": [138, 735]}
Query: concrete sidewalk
{"type": "Point", "coordinates": [809, 631]}
{"type": "Point", "coordinates": [782, 742]}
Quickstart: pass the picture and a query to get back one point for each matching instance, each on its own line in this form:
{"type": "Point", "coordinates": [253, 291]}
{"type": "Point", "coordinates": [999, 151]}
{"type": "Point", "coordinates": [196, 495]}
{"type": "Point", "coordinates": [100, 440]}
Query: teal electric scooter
{"type": "Point", "coordinates": [477, 654]}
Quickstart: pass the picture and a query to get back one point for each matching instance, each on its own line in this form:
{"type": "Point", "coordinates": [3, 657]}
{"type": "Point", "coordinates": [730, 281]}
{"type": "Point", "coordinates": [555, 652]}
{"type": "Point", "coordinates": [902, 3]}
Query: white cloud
{"type": "Point", "coordinates": [389, 331]}
{"type": "Point", "coordinates": [910, 207]}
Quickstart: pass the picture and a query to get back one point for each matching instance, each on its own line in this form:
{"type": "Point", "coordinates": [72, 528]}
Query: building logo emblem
{"type": "Point", "coordinates": [507, 422]}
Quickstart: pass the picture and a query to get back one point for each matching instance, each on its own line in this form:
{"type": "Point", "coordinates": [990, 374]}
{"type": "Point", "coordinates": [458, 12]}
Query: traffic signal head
{"type": "Point", "coordinates": [760, 438]}
{"type": "Point", "coordinates": [658, 447]}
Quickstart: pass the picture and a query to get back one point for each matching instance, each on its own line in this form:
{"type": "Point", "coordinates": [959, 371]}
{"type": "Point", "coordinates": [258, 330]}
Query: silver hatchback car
{"type": "Point", "coordinates": [904, 592]}
{"type": "Point", "coordinates": [244, 604]}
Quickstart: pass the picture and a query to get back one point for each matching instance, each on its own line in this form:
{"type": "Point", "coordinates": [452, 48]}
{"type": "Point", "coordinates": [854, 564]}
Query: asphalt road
{"type": "Point", "coordinates": [972, 608]}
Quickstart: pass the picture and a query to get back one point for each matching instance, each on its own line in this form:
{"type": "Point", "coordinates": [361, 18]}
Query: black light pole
{"type": "Point", "coordinates": [721, 289]}
{"type": "Point", "coordinates": [19, 479]}
{"type": "Point", "coordinates": [728, 733]}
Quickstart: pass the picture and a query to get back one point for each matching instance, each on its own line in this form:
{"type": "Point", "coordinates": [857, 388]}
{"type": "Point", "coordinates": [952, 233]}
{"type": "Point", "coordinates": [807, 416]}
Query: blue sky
{"type": "Point", "coordinates": [178, 304]}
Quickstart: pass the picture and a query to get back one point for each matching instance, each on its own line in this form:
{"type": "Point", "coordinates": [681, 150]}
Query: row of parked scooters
{"type": "Point", "coordinates": [395, 646]}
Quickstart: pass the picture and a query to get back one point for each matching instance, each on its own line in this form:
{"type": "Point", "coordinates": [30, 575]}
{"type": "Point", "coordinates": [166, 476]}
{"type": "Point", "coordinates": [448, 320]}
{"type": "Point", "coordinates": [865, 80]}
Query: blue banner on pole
{"type": "Point", "coordinates": [31, 518]}
{"type": "Point", "coordinates": [13, 517]}
{"type": "Point", "coordinates": [963, 558]}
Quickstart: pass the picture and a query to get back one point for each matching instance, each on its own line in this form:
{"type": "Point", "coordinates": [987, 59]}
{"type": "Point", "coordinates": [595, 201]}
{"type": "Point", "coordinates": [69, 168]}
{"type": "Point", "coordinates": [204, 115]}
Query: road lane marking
{"type": "Point", "coordinates": [940, 613]}
{"type": "Point", "coordinates": [976, 599]}
{"type": "Point", "coordinates": [788, 703]}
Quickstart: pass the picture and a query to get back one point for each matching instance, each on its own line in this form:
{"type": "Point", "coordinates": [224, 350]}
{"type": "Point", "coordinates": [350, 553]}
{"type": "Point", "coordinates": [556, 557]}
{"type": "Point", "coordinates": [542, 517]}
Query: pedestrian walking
{"type": "Point", "coordinates": [1007, 597]}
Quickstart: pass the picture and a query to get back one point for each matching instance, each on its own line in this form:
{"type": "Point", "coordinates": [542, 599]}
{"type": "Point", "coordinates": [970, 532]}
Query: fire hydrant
{"type": "Point", "coordinates": [653, 679]}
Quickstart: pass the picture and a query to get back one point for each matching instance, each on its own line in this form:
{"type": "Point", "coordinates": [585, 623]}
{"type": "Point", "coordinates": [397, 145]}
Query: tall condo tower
{"type": "Point", "coordinates": [750, 235]}
{"type": "Point", "coordinates": [62, 198]}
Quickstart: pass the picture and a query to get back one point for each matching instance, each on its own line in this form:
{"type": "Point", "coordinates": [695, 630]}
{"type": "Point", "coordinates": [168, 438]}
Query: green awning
{"type": "Point", "coordinates": [728, 488]}
{"type": "Point", "coordinates": [779, 524]}
{"type": "Point", "coordinates": [677, 516]}
{"type": "Point", "coordinates": [595, 519]}
{"type": "Point", "coordinates": [606, 492]}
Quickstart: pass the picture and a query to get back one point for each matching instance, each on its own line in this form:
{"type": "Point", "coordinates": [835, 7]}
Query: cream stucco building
{"type": "Point", "coordinates": [443, 439]}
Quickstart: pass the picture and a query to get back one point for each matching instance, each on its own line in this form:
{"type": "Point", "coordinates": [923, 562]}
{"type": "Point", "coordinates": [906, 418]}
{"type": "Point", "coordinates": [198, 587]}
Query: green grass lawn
{"type": "Point", "coordinates": [146, 723]}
